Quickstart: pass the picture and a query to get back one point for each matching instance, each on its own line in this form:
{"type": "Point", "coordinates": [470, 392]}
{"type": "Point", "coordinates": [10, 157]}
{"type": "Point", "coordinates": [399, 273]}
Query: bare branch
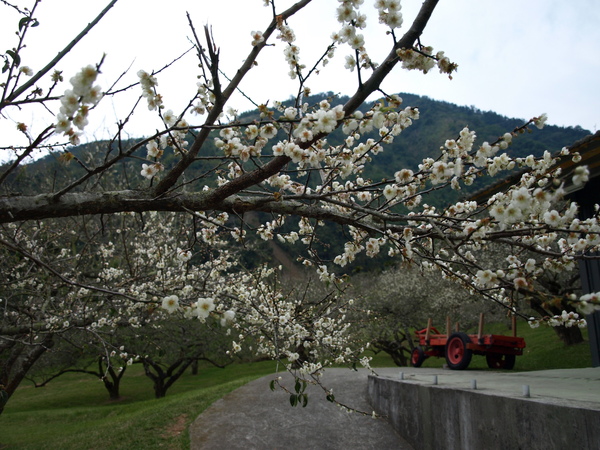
{"type": "Point", "coordinates": [31, 82]}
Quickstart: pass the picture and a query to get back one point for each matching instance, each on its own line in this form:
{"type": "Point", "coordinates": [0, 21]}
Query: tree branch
{"type": "Point", "coordinates": [171, 178]}
{"type": "Point", "coordinates": [31, 82]}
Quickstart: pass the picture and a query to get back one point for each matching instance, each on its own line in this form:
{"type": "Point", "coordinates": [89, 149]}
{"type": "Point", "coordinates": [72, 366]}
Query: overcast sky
{"type": "Point", "coordinates": [518, 58]}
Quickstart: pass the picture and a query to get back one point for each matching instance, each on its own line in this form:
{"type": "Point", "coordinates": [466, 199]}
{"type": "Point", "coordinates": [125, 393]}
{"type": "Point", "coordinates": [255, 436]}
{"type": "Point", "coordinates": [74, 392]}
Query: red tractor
{"type": "Point", "coordinates": [458, 347]}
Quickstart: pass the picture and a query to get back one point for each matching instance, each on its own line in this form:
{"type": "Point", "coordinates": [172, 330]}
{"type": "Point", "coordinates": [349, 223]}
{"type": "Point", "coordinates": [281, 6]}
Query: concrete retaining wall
{"type": "Point", "coordinates": [440, 417]}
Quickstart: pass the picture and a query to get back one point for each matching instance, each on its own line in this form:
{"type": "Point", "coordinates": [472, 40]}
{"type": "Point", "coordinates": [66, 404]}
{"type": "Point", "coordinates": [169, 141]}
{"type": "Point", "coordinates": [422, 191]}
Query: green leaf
{"type": "Point", "coordinates": [26, 21]}
{"type": "Point", "coordinates": [272, 385]}
{"type": "Point", "coordinates": [293, 399]}
{"type": "Point", "coordinates": [304, 400]}
{"type": "Point", "coordinates": [330, 398]}
{"type": "Point", "coordinates": [297, 386]}
{"type": "Point", "coordinates": [15, 56]}
{"type": "Point", "coordinates": [23, 22]}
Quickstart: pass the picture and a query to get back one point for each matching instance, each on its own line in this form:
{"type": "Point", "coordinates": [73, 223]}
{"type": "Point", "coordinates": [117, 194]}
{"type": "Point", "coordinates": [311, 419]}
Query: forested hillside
{"type": "Point", "coordinates": [438, 120]}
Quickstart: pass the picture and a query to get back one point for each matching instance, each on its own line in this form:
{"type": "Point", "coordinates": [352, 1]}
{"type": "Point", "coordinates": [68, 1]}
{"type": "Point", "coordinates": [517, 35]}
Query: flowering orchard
{"type": "Point", "coordinates": [213, 168]}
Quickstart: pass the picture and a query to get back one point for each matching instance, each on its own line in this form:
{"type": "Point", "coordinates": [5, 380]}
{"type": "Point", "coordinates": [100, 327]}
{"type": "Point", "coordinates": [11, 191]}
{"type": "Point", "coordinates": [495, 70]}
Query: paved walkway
{"type": "Point", "coordinates": [253, 417]}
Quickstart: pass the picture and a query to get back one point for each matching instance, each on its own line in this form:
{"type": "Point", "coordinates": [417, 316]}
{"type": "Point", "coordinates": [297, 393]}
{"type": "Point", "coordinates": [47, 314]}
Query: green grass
{"type": "Point", "coordinates": [73, 412]}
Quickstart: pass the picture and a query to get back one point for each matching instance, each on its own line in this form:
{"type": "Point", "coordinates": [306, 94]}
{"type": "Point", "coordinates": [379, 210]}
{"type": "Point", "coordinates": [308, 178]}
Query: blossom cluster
{"type": "Point", "coordinates": [174, 137]}
{"type": "Point", "coordinates": [176, 127]}
{"type": "Point", "coordinates": [423, 59]}
{"type": "Point", "coordinates": [242, 144]}
{"type": "Point", "coordinates": [77, 102]}
{"type": "Point", "coordinates": [588, 303]}
{"type": "Point", "coordinates": [310, 334]}
{"type": "Point", "coordinates": [389, 13]}
{"type": "Point", "coordinates": [148, 83]}
{"type": "Point", "coordinates": [291, 51]}
{"type": "Point", "coordinates": [566, 319]}
{"type": "Point", "coordinates": [352, 20]}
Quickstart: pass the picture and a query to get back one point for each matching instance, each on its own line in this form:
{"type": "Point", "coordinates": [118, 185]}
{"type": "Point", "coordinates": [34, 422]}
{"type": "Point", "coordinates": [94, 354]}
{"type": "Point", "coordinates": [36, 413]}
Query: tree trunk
{"type": "Point", "coordinates": [195, 367]}
{"type": "Point", "coordinates": [164, 380]}
{"type": "Point", "coordinates": [570, 336]}
{"type": "Point", "coordinates": [159, 388]}
{"type": "Point", "coordinates": [14, 368]}
{"type": "Point", "coordinates": [113, 384]}
{"type": "Point", "coordinates": [395, 349]}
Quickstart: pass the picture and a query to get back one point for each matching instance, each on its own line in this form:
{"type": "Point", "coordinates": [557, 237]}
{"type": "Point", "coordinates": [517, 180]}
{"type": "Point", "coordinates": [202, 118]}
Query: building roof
{"type": "Point", "coordinates": [588, 148]}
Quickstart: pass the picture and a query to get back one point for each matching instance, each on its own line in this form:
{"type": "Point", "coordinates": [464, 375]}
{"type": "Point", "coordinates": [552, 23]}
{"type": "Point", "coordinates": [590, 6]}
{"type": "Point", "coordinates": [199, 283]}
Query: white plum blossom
{"type": "Point", "coordinates": [581, 175]}
{"type": "Point", "coordinates": [149, 171]}
{"type": "Point", "coordinates": [540, 121]}
{"type": "Point", "coordinates": [204, 306]}
{"type": "Point", "coordinates": [26, 70]}
{"type": "Point", "coordinates": [257, 38]}
{"type": "Point", "coordinates": [148, 83]}
{"type": "Point", "coordinates": [350, 63]}
{"type": "Point", "coordinates": [227, 318]}
{"type": "Point", "coordinates": [170, 303]}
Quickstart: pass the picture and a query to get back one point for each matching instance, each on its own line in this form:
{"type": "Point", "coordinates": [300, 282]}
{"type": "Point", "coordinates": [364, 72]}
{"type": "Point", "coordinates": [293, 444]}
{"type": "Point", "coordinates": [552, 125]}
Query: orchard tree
{"type": "Point", "coordinates": [71, 356]}
{"type": "Point", "coordinates": [119, 287]}
{"type": "Point", "coordinates": [83, 281]}
{"type": "Point", "coordinates": [210, 165]}
{"type": "Point", "coordinates": [405, 298]}
{"type": "Point", "coordinates": [554, 283]}
{"type": "Point", "coordinates": [168, 350]}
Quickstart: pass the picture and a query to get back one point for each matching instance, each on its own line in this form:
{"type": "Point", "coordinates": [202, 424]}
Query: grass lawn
{"type": "Point", "coordinates": [73, 412]}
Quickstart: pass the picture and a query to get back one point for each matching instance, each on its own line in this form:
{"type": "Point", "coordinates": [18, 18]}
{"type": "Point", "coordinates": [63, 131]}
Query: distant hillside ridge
{"type": "Point", "coordinates": [439, 121]}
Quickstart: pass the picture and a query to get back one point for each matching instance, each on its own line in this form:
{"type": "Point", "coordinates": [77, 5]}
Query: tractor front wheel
{"type": "Point", "coordinates": [417, 357]}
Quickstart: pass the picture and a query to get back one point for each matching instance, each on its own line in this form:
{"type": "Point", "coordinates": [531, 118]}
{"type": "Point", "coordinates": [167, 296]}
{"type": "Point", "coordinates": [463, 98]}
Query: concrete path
{"type": "Point", "coordinates": [253, 417]}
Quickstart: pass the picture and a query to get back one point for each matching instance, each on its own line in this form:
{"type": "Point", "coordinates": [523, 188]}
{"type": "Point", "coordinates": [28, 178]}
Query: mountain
{"type": "Point", "coordinates": [438, 121]}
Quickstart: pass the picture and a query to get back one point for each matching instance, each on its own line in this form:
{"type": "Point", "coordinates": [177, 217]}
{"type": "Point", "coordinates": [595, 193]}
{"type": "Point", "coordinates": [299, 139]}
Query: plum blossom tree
{"type": "Point", "coordinates": [122, 287]}
{"type": "Point", "coordinates": [211, 166]}
{"type": "Point", "coordinates": [168, 350]}
{"type": "Point", "coordinates": [71, 356]}
{"type": "Point", "coordinates": [57, 277]}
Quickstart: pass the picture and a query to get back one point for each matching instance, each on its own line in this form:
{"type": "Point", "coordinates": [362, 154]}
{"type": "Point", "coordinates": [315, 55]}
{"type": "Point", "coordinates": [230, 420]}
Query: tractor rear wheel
{"type": "Point", "coordinates": [500, 361]}
{"type": "Point", "coordinates": [458, 356]}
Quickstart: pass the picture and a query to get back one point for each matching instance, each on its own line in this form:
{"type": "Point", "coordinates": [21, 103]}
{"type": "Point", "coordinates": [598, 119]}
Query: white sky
{"type": "Point", "coordinates": [518, 58]}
